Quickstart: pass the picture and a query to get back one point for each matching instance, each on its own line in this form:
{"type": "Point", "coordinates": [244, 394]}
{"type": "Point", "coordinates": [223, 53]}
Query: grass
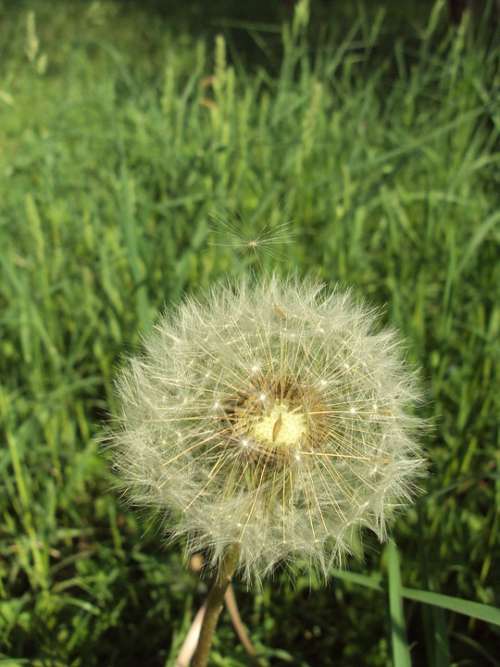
{"type": "Point", "coordinates": [121, 134]}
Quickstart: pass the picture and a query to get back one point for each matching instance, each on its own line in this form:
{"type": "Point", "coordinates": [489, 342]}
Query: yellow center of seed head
{"type": "Point", "coordinates": [280, 427]}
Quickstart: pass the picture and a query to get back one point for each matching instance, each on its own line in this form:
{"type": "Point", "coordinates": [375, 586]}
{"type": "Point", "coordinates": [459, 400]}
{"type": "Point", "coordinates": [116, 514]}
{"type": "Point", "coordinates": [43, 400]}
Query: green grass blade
{"type": "Point", "coordinates": [481, 233]}
{"type": "Point", "coordinates": [400, 649]}
{"type": "Point", "coordinates": [434, 620]}
{"type": "Point", "coordinates": [372, 581]}
{"type": "Point", "coordinates": [439, 634]}
{"type": "Point", "coordinates": [483, 612]}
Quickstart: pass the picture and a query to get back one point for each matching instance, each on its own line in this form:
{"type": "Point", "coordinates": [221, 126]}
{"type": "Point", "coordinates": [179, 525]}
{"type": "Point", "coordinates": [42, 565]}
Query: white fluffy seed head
{"type": "Point", "coordinates": [271, 415]}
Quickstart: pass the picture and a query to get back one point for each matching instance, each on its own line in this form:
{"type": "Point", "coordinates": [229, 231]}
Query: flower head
{"type": "Point", "coordinates": [272, 416]}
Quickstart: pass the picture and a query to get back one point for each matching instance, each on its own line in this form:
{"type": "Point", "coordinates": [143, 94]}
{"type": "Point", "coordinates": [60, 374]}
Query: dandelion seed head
{"type": "Point", "coordinates": [280, 419]}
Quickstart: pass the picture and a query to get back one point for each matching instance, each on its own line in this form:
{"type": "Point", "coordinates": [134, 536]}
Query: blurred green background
{"type": "Point", "coordinates": [124, 128]}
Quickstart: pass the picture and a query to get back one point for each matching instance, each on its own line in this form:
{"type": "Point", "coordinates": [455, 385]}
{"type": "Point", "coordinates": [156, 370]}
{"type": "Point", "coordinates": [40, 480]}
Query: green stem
{"type": "Point", "coordinates": [215, 601]}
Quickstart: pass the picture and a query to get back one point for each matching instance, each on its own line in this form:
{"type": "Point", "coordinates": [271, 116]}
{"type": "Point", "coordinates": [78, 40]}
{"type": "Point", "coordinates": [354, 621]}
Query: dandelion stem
{"type": "Point", "coordinates": [214, 604]}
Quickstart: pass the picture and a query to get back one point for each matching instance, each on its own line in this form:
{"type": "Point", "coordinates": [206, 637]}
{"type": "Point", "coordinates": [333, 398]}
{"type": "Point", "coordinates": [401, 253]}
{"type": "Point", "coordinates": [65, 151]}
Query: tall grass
{"type": "Point", "coordinates": [120, 136]}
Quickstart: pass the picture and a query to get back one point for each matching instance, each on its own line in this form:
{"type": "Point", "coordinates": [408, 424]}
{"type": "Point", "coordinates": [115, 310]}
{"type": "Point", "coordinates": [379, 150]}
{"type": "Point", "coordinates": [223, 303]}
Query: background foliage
{"type": "Point", "coordinates": [122, 129]}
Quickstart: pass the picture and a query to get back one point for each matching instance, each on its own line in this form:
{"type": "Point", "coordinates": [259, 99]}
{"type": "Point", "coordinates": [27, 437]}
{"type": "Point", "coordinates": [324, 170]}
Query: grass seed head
{"type": "Point", "coordinates": [273, 416]}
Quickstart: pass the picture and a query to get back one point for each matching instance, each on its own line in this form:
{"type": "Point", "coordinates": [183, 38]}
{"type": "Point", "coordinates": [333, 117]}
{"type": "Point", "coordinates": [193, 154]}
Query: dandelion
{"type": "Point", "coordinates": [270, 424]}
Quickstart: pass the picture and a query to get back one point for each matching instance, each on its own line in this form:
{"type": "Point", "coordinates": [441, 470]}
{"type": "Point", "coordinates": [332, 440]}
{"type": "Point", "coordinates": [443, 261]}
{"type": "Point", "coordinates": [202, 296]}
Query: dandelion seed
{"type": "Point", "coordinates": [252, 240]}
{"type": "Point", "coordinates": [267, 436]}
